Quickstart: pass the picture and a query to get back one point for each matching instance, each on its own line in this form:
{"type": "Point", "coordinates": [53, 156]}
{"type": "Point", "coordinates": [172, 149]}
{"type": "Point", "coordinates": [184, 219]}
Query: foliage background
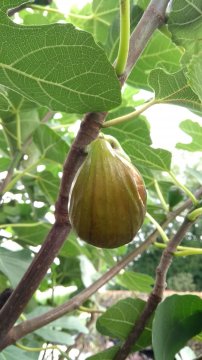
{"type": "Point", "coordinates": [36, 133]}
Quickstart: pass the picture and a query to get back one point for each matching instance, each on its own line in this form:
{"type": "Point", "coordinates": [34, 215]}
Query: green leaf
{"type": "Point", "coordinates": [4, 163]}
{"type": "Point", "coordinates": [4, 105]}
{"type": "Point", "coordinates": [119, 320]}
{"type": "Point", "coordinates": [185, 24]}
{"type": "Point", "coordinates": [196, 174]}
{"type": "Point", "coordinates": [143, 155]}
{"type": "Point", "coordinates": [33, 235]}
{"type": "Point", "coordinates": [147, 175]}
{"type": "Point", "coordinates": [50, 144]}
{"type": "Point", "coordinates": [105, 355]}
{"type": "Point", "coordinates": [174, 89]}
{"type": "Point", "coordinates": [3, 144]}
{"type": "Point", "coordinates": [70, 323]}
{"type": "Point", "coordinates": [19, 127]}
{"type": "Point", "coordinates": [14, 103]}
{"type": "Point", "coordinates": [195, 74]}
{"type": "Point", "coordinates": [177, 319]}
{"type": "Point", "coordinates": [55, 336]}
{"type": "Point", "coordinates": [19, 118]}
{"type": "Point", "coordinates": [63, 70]}
{"type": "Point", "coordinates": [134, 136]}
{"type": "Point", "coordinates": [135, 281]}
{"type": "Point", "coordinates": [174, 196]}
{"type": "Point", "coordinates": [14, 264]}
{"type": "Point", "coordinates": [72, 248]}
{"type": "Point", "coordinates": [13, 353]}
{"type": "Point", "coordinates": [160, 52]}
{"type": "Point", "coordinates": [137, 129]}
{"type": "Point", "coordinates": [97, 17]}
{"type": "Point", "coordinates": [156, 212]}
{"type": "Point", "coordinates": [194, 130]}
{"type": "Point", "coordinates": [49, 185]}
{"type": "Point", "coordinates": [38, 18]}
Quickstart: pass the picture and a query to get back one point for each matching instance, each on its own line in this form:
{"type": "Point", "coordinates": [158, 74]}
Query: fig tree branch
{"type": "Point", "coordinates": [153, 17]}
{"type": "Point", "coordinates": [89, 130]}
{"type": "Point", "coordinates": [28, 326]}
{"type": "Point", "coordinates": [27, 286]}
{"type": "Point", "coordinates": [157, 293]}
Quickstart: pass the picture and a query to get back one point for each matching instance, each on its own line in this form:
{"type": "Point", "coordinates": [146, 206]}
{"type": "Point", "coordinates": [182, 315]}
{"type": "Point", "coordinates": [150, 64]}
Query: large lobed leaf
{"type": "Point", "coordinates": [135, 281]}
{"type": "Point", "coordinates": [96, 18]}
{"type": "Point", "coordinates": [14, 264]}
{"type": "Point", "coordinates": [194, 130]}
{"type": "Point", "coordinates": [56, 66]}
{"type": "Point", "coordinates": [160, 52]}
{"type": "Point", "coordinates": [195, 74]}
{"type": "Point", "coordinates": [177, 319]}
{"type": "Point", "coordinates": [174, 89]}
{"type": "Point", "coordinates": [134, 136]}
{"type": "Point", "coordinates": [185, 24]}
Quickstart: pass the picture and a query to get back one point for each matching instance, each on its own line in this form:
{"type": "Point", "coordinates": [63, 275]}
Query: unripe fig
{"type": "Point", "coordinates": [108, 197]}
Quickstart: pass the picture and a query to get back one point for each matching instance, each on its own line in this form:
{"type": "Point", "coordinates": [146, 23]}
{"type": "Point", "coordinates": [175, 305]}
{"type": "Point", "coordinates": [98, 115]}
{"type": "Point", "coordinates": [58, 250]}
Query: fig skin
{"type": "Point", "coordinates": [108, 197]}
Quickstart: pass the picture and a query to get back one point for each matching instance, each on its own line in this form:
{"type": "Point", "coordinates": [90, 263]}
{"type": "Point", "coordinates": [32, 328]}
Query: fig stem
{"type": "Point", "coordinates": [181, 250]}
{"type": "Point", "coordinates": [158, 227]}
{"type": "Point", "coordinates": [3, 226]}
{"type": "Point", "coordinates": [196, 251]}
{"type": "Point", "coordinates": [160, 195]}
{"type": "Point", "coordinates": [183, 187]}
{"type": "Point", "coordinates": [90, 311]}
{"type": "Point", "coordinates": [193, 215]}
{"type": "Point", "coordinates": [39, 349]}
{"type": "Point", "coordinates": [130, 116]}
{"type": "Point", "coordinates": [124, 37]}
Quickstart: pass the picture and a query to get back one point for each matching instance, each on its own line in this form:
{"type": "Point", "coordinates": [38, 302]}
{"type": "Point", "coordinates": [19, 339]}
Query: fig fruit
{"type": "Point", "coordinates": [107, 198]}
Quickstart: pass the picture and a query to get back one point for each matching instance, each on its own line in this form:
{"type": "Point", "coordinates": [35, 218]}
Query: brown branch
{"type": "Point", "coordinates": [157, 293]}
{"type": "Point", "coordinates": [153, 17]}
{"type": "Point", "coordinates": [29, 326]}
{"type": "Point", "coordinates": [57, 235]}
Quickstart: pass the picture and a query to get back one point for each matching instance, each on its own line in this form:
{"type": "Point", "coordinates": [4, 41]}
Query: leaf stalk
{"type": "Point", "coordinates": [124, 37]}
{"type": "Point", "coordinates": [131, 116]}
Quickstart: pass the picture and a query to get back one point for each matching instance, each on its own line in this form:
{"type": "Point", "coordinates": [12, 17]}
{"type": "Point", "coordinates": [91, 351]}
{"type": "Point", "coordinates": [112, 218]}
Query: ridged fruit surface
{"type": "Point", "coordinates": [107, 198]}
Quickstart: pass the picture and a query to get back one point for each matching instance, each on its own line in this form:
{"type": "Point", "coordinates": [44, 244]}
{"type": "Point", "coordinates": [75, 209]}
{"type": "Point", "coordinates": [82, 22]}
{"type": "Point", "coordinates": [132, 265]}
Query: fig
{"type": "Point", "coordinates": [108, 197]}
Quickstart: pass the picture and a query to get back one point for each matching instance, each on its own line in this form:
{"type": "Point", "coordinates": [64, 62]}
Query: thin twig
{"type": "Point", "coordinates": [157, 293]}
{"type": "Point", "coordinates": [29, 326]}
